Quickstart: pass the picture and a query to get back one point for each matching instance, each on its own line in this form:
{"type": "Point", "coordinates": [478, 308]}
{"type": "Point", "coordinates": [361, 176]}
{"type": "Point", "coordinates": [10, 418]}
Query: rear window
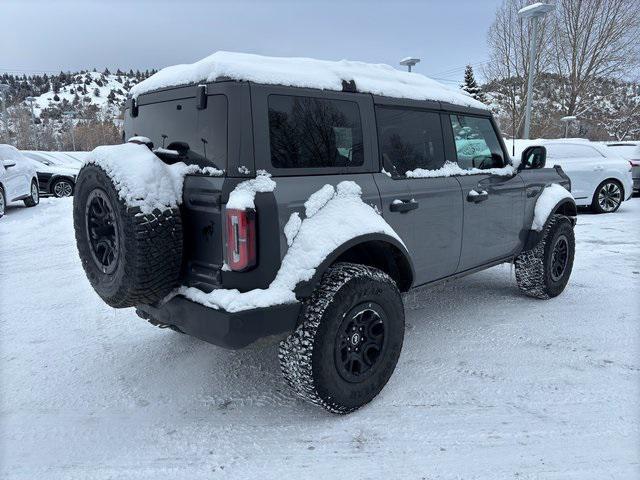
{"type": "Point", "coordinates": [409, 139]}
{"type": "Point", "coordinates": [308, 132]}
{"type": "Point", "coordinates": [630, 152]}
{"type": "Point", "coordinates": [205, 131]}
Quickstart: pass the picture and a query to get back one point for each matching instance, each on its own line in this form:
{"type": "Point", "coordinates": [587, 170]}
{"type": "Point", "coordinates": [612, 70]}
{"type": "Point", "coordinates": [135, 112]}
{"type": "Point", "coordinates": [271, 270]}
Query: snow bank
{"type": "Point", "coordinates": [243, 196]}
{"type": "Point", "coordinates": [547, 200]}
{"type": "Point", "coordinates": [450, 168]}
{"type": "Point", "coordinates": [142, 179]}
{"type": "Point", "coordinates": [342, 217]}
{"type": "Point", "coordinates": [378, 79]}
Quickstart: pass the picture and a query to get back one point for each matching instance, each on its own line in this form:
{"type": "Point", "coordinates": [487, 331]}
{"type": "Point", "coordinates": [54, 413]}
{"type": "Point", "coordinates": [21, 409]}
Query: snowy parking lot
{"type": "Point", "coordinates": [490, 384]}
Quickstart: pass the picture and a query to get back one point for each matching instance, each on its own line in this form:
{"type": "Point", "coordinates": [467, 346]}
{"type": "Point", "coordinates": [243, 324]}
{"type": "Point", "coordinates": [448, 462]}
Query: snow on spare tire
{"type": "Point", "coordinates": [127, 224]}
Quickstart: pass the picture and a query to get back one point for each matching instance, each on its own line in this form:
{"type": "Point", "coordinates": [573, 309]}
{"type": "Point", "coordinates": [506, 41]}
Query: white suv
{"type": "Point", "coordinates": [18, 179]}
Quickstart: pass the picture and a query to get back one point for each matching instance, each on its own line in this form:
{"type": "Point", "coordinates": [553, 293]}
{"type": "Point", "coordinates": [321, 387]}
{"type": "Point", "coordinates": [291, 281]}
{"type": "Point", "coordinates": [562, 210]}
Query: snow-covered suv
{"type": "Point", "coordinates": [267, 196]}
{"type": "Point", "coordinates": [18, 179]}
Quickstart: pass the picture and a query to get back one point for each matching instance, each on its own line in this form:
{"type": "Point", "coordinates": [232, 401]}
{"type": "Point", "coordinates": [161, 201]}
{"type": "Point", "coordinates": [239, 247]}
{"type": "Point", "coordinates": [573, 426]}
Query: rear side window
{"type": "Point", "coordinates": [307, 132]}
{"type": "Point", "coordinates": [477, 144]}
{"type": "Point", "coordinates": [409, 139]}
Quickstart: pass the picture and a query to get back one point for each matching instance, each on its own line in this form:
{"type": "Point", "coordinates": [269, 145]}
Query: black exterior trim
{"type": "Point", "coordinates": [225, 329]}
{"type": "Point", "coordinates": [565, 207]}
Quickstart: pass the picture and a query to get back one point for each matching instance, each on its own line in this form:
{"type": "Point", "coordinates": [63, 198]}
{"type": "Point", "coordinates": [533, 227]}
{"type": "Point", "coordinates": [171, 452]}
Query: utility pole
{"type": "Point", "coordinates": [409, 62]}
{"type": "Point", "coordinates": [33, 120]}
{"type": "Point", "coordinates": [532, 12]}
{"type": "Point", "coordinates": [4, 88]}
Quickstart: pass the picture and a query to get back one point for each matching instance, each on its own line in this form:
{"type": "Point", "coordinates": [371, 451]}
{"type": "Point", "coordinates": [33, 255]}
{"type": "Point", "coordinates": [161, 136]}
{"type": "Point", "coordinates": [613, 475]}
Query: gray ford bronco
{"type": "Point", "coordinates": [438, 173]}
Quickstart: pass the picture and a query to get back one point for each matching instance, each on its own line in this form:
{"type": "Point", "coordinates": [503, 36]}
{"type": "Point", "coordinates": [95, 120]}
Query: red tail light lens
{"type": "Point", "coordinates": [241, 239]}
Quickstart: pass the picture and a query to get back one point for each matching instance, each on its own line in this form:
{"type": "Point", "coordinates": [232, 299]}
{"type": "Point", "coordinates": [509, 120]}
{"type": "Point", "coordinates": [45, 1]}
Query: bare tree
{"type": "Point", "coordinates": [593, 39]}
{"type": "Point", "coordinates": [509, 60]}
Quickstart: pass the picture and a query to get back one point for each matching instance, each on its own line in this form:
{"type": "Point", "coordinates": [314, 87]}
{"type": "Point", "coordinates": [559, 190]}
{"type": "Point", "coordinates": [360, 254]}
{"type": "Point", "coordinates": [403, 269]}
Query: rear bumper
{"type": "Point", "coordinates": [225, 329]}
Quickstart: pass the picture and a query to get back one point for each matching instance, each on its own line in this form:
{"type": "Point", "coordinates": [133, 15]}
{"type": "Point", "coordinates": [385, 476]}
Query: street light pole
{"type": "Point", "coordinates": [33, 120]}
{"type": "Point", "coordinates": [533, 12]}
{"type": "Point", "coordinates": [70, 115]}
{"type": "Point", "coordinates": [567, 120]}
{"type": "Point", "coordinates": [4, 88]}
{"type": "Point", "coordinates": [409, 62]}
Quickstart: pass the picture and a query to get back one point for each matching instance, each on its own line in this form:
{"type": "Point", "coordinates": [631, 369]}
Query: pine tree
{"type": "Point", "coordinates": [471, 86]}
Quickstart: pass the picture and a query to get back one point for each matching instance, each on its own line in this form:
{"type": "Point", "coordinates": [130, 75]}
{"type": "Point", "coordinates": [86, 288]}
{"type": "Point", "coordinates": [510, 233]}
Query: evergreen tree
{"type": "Point", "coordinates": [471, 86]}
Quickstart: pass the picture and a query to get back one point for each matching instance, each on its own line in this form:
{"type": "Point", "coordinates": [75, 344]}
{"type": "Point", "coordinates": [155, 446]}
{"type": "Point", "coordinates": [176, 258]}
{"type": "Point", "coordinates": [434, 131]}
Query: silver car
{"type": "Point", "coordinates": [630, 151]}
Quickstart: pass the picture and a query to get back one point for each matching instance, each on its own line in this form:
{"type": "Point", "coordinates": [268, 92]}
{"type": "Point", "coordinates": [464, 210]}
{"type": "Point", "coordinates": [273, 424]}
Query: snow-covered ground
{"type": "Point", "coordinates": [490, 384]}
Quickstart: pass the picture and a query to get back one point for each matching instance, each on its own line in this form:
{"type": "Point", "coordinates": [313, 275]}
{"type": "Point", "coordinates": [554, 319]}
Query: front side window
{"type": "Point", "coordinates": [477, 145]}
{"type": "Point", "coordinates": [307, 132]}
{"type": "Point", "coordinates": [409, 139]}
{"type": "Point", "coordinates": [570, 150]}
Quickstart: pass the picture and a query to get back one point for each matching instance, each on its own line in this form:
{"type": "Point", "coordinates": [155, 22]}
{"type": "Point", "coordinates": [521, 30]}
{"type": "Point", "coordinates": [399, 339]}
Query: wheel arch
{"type": "Point", "coordinates": [566, 207]}
{"type": "Point", "coordinates": [375, 250]}
{"type": "Point", "coordinates": [611, 178]}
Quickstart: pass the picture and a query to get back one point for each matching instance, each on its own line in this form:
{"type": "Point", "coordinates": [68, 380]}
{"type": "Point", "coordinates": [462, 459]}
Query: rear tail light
{"type": "Point", "coordinates": [241, 239]}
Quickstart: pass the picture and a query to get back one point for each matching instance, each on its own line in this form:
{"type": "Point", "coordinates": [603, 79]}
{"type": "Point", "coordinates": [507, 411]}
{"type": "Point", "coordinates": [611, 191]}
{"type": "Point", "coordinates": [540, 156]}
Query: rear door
{"type": "Point", "coordinates": [493, 201]}
{"type": "Point", "coordinates": [583, 163]}
{"type": "Point", "coordinates": [425, 211]}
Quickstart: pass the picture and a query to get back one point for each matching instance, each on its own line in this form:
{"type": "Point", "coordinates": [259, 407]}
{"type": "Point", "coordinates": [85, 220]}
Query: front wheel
{"type": "Point", "coordinates": [34, 198]}
{"type": "Point", "coordinates": [544, 271]}
{"type": "Point", "coordinates": [607, 197]}
{"type": "Point", "coordinates": [348, 340]}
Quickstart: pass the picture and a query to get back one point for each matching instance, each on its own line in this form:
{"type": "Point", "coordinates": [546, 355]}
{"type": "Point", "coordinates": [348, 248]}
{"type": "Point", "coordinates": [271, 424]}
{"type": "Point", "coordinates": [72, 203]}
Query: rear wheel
{"type": "Point", "coordinates": [129, 257]}
{"type": "Point", "coordinates": [348, 340]}
{"type": "Point", "coordinates": [34, 198]}
{"type": "Point", "coordinates": [62, 188]}
{"type": "Point", "coordinates": [607, 197]}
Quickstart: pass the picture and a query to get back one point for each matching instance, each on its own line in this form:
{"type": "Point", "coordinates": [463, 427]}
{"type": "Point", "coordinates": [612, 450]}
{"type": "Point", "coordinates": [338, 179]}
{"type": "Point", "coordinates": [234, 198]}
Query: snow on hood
{"type": "Point", "coordinates": [545, 204]}
{"type": "Point", "coordinates": [142, 179]}
{"type": "Point", "coordinates": [378, 79]}
{"type": "Point", "coordinates": [339, 219]}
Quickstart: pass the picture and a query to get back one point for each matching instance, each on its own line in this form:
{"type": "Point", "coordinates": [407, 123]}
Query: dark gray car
{"type": "Point", "coordinates": [343, 335]}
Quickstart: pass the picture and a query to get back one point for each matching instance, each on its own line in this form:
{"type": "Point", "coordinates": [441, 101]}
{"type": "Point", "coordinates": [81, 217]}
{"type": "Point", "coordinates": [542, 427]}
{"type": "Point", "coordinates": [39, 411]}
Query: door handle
{"type": "Point", "coordinates": [477, 197]}
{"type": "Point", "coordinates": [403, 206]}
{"type": "Point", "coordinates": [598, 168]}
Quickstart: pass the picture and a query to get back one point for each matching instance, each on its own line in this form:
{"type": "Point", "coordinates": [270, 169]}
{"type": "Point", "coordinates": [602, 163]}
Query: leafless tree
{"type": "Point", "coordinates": [509, 42]}
{"type": "Point", "coordinates": [593, 39]}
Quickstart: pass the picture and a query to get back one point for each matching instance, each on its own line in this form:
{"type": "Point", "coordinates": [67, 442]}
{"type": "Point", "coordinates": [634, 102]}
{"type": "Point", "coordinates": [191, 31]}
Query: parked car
{"type": "Point", "coordinates": [54, 179]}
{"type": "Point", "coordinates": [600, 178]}
{"type": "Point", "coordinates": [18, 179]}
{"type": "Point", "coordinates": [631, 152]}
{"type": "Point", "coordinates": [379, 181]}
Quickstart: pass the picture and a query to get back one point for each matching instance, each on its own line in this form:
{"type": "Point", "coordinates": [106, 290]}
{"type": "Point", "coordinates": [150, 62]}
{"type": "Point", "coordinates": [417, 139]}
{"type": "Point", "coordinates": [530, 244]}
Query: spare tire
{"type": "Point", "coordinates": [130, 257]}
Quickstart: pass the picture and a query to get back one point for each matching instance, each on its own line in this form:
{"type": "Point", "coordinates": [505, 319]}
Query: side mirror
{"type": "Point", "coordinates": [9, 163]}
{"type": "Point", "coordinates": [533, 158]}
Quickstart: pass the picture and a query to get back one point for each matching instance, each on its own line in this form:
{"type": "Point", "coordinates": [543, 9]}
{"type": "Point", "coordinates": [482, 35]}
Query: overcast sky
{"type": "Point", "coordinates": [53, 35]}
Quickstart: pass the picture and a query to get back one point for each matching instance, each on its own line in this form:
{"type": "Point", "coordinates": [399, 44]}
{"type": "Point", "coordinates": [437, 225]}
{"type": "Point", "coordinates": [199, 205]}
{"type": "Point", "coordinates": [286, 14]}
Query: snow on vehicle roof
{"type": "Point", "coordinates": [378, 79]}
{"type": "Point", "coordinates": [9, 152]}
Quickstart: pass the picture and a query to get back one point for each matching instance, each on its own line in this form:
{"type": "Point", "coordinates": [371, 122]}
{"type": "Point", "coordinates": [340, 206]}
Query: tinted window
{"type": "Point", "coordinates": [477, 144]}
{"type": "Point", "coordinates": [308, 132]}
{"type": "Point", "coordinates": [568, 150]}
{"type": "Point", "coordinates": [409, 139]}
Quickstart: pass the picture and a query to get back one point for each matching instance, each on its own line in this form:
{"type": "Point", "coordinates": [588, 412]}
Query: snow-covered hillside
{"type": "Point", "coordinates": [107, 92]}
{"type": "Point", "coordinates": [490, 384]}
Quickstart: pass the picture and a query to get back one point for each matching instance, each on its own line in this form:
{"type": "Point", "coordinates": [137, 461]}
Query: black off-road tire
{"type": "Point", "coordinates": [603, 188]}
{"type": "Point", "coordinates": [147, 265]}
{"type": "Point", "coordinates": [309, 357]}
{"type": "Point", "coordinates": [33, 199]}
{"type": "Point", "coordinates": [534, 268]}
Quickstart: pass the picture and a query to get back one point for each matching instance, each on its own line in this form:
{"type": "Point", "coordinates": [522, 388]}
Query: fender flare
{"type": "Point", "coordinates": [400, 258]}
{"type": "Point", "coordinates": [566, 207]}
